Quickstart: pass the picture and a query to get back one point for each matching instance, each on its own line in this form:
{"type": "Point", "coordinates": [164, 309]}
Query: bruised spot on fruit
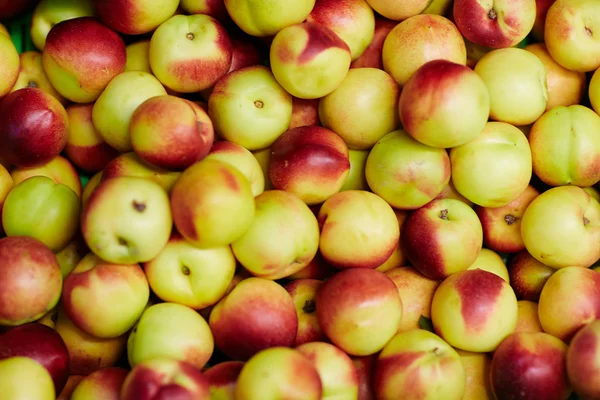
{"type": "Point", "coordinates": [122, 242]}
{"type": "Point", "coordinates": [589, 32]}
{"type": "Point", "coordinates": [185, 270]}
{"type": "Point", "coordinates": [478, 291]}
{"type": "Point", "coordinates": [320, 39]}
{"type": "Point", "coordinates": [444, 215]}
{"type": "Point", "coordinates": [510, 219]}
{"type": "Point", "coordinates": [310, 306]}
{"type": "Point", "coordinates": [139, 207]}
{"type": "Point", "coordinates": [585, 221]}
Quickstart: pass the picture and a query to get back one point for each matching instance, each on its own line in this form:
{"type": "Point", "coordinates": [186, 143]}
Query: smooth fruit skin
{"type": "Point", "coordinates": [32, 74]}
{"type": "Point", "coordinates": [212, 204]}
{"type": "Point", "coordinates": [170, 330]}
{"type": "Point", "coordinates": [131, 165]}
{"type": "Point", "coordinates": [310, 161]}
{"type": "Point", "coordinates": [418, 40]}
{"type": "Point", "coordinates": [373, 226]}
{"type": "Point", "coordinates": [493, 169]}
{"type": "Point", "coordinates": [309, 60]}
{"type": "Point", "coordinates": [250, 108]}
{"type": "Point", "coordinates": [266, 250]}
{"type": "Point", "coordinates": [371, 57]}
{"type": "Point", "coordinates": [189, 53]}
{"type": "Point", "coordinates": [48, 13]}
{"type": "Point", "coordinates": [42, 209]}
{"type": "Point", "coordinates": [10, 65]}
{"type": "Point", "coordinates": [42, 344]}
{"type": "Point", "coordinates": [498, 24]}
{"type": "Point", "coordinates": [444, 104]}
{"type": "Point", "coordinates": [338, 374]}
{"type": "Point", "coordinates": [60, 170]}
{"type": "Point", "coordinates": [527, 275]}
{"type": "Point", "coordinates": [278, 373]}
{"type": "Point", "coordinates": [582, 361]}
{"type": "Point", "coordinates": [81, 56]}
{"type": "Point", "coordinates": [104, 384]}
{"type": "Point", "coordinates": [474, 310]}
{"type": "Point", "coordinates": [165, 378]}
{"type": "Point", "coordinates": [532, 363]}
{"type": "Point", "coordinates": [87, 353]}
{"type": "Point", "coordinates": [185, 274]}
{"type": "Point", "coordinates": [561, 228]}
{"type": "Point", "coordinates": [22, 378]}
{"type": "Point", "coordinates": [560, 159]}
{"type": "Point", "coordinates": [117, 211]}
{"type": "Point", "coordinates": [95, 289]}
{"type": "Point", "coordinates": [406, 173]}
{"type": "Point", "coordinates": [85, 147]}
{"type": "Point", "coordinates": [442, 238]}
{"type": "Point", "coordinates": [569, 300]}
{"type": "Point", "coordinates": [363, 108]}
{"type": "Point", "coordinates": [257, 18]}
{"type": "Point", "coordinates": [502, 225]}
{"type": "Point", "coordinates": [416, 292]}
{"type": "Point", "coordinates": [170, 133]}
{"type": "Point", "coordinates": [517, 83]}
{"type": "Point", "coordinates": [418, 362]}
{"type": "Point", "coordinates": [134, 17]}
{"type": "Point", "coordinates": [571, 34]}
{"type": "Point", "coordinates": [351, 20]}
{"type": "Point", "coordinates": [222, 378]}
{"type": "Point", "coordinates": [477, 370]}
{"type": "Point", "coordinates": [244, 160]}
{"type": "Point", "coordinates": [565, 87]}
{"type": "Point", "coordinates": [33, 127]}
{"type": "Point", "coordinates": [138, 56]}
{"type": "Point", "coordinates": [114, 108]}
{"type": "Point", "coordinates": [528, 320]}
{"type": "Point", "coordinates": [256, 315]}
{"type": "Point", "coordinates": [359, 310]}
{"type": "Point", "coordinates": [594, 91]}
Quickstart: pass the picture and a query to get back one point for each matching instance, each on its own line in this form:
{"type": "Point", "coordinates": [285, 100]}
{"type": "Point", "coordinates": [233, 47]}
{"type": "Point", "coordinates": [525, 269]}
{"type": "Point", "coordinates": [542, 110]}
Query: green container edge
{"type": "Point", "coordinates": [20, 34]}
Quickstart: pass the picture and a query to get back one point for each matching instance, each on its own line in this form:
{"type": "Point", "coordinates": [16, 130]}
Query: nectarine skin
{"type": "Point", "coordinates": [85, 147]}
{"type": "Point", "coordinates": [582, 361]}
{"type": "Point", "coordinates": [256, 315]}
{"type": "Point", "coordinates": [163, 378]}
{"type": "Point", "coordinates": [532, 363]}
{"type": "Point", "coordinates": [81, 56]}
{"type": "Point", "coordinates": [30, 278]}
{"type": "Point", "coordinates": [527, 275]}
{"type": "Point", "coordinates": [359, 310]}
{"type": "Point", "coordinates": [309, 161]}
{"type": "Point", "coordinates": [33, 127]}
{"type": "Point", "coordinates": [42, 344]}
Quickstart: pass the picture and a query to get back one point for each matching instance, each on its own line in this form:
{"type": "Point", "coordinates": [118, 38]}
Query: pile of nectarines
{"type": "Point", "coordinates": [300, 200]}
